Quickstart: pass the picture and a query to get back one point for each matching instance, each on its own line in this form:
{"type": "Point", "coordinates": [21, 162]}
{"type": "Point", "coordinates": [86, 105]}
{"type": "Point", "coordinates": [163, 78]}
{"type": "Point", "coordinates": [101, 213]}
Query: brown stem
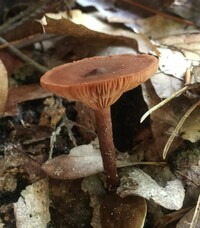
{"type": "Point", "coordinates": [104, 130]}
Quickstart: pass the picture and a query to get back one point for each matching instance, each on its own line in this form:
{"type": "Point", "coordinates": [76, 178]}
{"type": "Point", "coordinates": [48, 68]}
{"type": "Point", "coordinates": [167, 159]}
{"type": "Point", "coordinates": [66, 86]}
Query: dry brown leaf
{"type": "Point", "coordinates": [162, 27]}
{"type": "Point", "coordinates": [10, 61]}
{"type": "Point", "coordinates": [163, 119]}
{"type": "Point", "coordinates": [20, 94]}
{"type": "Point", "coordinates": [185, 221]}
{"type": "Point", "coordinates": [191, 126]}
{"type": "Point", "coordinates": [3, 87]}
{"type": "Point", "coordinates": [92, 26]}
{"type": "Point", "coordinates": [186, 9]}
{"type": "Point", "coordinates": [86, 118]}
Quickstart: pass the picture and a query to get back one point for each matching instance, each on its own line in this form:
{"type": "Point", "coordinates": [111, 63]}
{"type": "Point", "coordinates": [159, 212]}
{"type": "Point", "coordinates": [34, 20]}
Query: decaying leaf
{"type": "Point", "coordinates": [8, 183]}
{"type": "Point", "coordinates": [110, 11]}
{"type": "Point", "coordinates": [52, 113]}
{"type": "Point", "coordinates": [164, 85]}
{"type": "Point", "coordinates": [20, 94]}
{"type": "Point", "coordinates": [171, 76]}
{"type": "Point", "coordinates": [186, 9]}
{"type": "Point", "coordinates": [168, 58]}
{"type": "Point", "coordinates": [190, 129]}
{"type": "Point", "coordinates": [136, 182]}
{"type": "Point", "coordinates": [191, 219]}
{"type": "Point", "coordinates": [90, 27]}
{"type": "Point", "coordinates": [32, 208]}
{"type": "Point", "coordinates": [94, 187]}
{"type": "Point", "coordinates": [79, 25]}
{"type": "Point", "coordinates": [10, 61]}
{"type": "Point", "coordinates": [162, 27]}
{"type": "Point", "coordinates": [82, 161]}
{"type": "Point", "coordinates": [3, 87]}
{"type": "Point", "coordinates": [186, 161]}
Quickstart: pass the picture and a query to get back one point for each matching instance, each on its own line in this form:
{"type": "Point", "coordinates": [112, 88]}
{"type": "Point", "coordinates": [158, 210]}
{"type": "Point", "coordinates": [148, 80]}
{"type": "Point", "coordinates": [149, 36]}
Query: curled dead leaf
{"type": "Point", "coordinates": [32, 207]}
{"type": "Point", "coordinates": [3, 87]}
{"type": "Point", "coordinates": [137, 182]}
{"type": "Point", "coordinates": [21, 94]}
{"type": "Point", "coordinates": [75, 165]}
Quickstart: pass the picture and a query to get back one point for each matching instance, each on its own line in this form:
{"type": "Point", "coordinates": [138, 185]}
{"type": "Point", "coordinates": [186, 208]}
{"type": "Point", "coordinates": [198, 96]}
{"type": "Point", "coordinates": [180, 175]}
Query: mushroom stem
{"type": "Point", "coordinates": [104, 130]}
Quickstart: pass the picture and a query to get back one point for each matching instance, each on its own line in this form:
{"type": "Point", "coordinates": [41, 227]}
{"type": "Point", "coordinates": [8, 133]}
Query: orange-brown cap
{"type": "Point", "coordinates": [99, 81]}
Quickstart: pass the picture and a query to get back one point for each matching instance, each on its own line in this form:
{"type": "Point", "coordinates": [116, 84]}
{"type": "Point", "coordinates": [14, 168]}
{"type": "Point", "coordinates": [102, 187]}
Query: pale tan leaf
{"type": "Point", "coordinates": [136, 182]}
{"type": "Point", "coordinates": [32, 208]}
{"type": "Point", "coordinates": [190, 129]}
{"type": "Point", "coordinates": [82, 161]}
{"type": "Point", "coordinates": [93, 26]}
{"type": "Point", "coordinates": [3, 87]}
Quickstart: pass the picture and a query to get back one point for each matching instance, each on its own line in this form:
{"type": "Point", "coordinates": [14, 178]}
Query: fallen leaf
{"type": "Point", "coordinates": [82, 161]}
{"type": "Point", "coordinates": [165, 85]}
{"type": "Point", "coordinates": [10, 61]}
{"type": "Point", "coordinates": [92, 27]}
{"type": "Point", "coordinates": [136, 182]}
{"type": "Point", "coordinates": [20, 94]}
{"type": "Point", "coordinates": [80, 25]}
{"type": "Point", "coordinates": [32, 208]}
{"type": "Point", "coordinates": [162, 27]}
{"type": "Point", "coordinates": [185, 221]}
{"type": "Point", "coordinates": [190, 128]}
{"type": "Point", "coordinates": [86, 118]}
{"type": "Point", "coordinates": [187, 44]}
{"type": "Point", "coordinates": [3, 87]}
{"type": "Point", "coordinates": [93, 186]}
{"type": "Point", "coordinates": [186, 9]}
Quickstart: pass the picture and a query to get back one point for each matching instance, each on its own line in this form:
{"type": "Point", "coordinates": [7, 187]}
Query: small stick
{"type": "Point", "coordinates": [176, 130]}
{"type": "Point", "coordinates": [124, 164]}
{"type": "Point", "coordinates": [19, 19]}
{"type": "Point", "coordinates": [151, 10]}
{"type": "Point", "coordinates": [188, 178]}
{"type": "Point", "coordinates": [29, 40]}
{"type": "Point", "coordinates": [159, 105]}
{"type": "Point", "coordinates": [24, 57]}
{"type": "Point", "coordinates": [196, 214]}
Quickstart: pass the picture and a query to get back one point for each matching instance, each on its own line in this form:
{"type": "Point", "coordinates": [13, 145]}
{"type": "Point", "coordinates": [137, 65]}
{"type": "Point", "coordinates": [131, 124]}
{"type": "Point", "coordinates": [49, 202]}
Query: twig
{"type": "Point", "coordinates": [159, 105]}
{"type": "Point", "coordinates": [29, 40]}
{"type": "Point", "coordinates": [196, 215]}
{"type": "Point", "coordinates": [24, 57]}
{"type": "Point", "coordinates": [26, 15]}
{"type": "Point", "coordinates": [185, 176]}
{"type": "Point", "coordinates": [148, 9]}
{"type": "Point", "coordinates": [53, 139]}
{"type": "Point", "coordinates": [178, 127]}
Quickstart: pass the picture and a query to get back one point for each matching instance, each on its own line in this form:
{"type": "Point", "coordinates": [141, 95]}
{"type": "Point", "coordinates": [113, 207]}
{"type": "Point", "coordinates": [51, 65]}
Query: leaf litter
{"type": "Point", "coordinates": [82, 32]}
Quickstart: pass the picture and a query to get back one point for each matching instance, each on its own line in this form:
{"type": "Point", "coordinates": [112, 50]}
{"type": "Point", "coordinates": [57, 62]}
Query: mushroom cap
{"type": "Point", "coordinates": [99, 81]}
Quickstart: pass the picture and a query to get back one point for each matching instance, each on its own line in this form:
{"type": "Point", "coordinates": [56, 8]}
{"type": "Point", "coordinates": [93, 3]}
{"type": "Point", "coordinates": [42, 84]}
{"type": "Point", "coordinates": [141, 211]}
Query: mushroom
{"type": "Point", "coordinates": [99, 82]}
